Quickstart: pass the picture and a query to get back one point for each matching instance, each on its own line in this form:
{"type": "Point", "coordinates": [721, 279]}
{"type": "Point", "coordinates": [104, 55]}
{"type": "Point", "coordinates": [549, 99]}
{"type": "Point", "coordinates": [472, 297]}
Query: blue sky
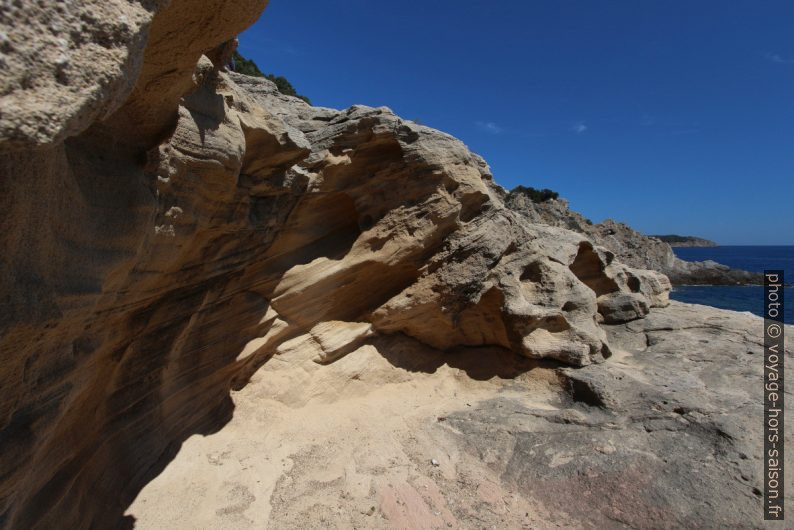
{"type": "Point", "coordinates": [673, 116]}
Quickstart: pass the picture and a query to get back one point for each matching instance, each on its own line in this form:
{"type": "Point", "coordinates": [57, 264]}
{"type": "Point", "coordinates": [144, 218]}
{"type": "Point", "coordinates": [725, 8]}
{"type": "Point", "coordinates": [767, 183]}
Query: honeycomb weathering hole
{"type": "Point", "coordinates": [588, 267]}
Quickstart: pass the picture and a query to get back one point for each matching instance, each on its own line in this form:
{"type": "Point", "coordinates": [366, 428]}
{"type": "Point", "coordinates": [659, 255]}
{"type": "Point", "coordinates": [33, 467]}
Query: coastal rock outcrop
{"type": "Point", "coordinates": [171, 227]}
{"type": "Point", "coordinates": [105, 334]}
{"type": "Point", "coordinates": [662, 435]}
{"type": "Point", "coordinates": [630, 246]}
{"type": "Point", "coordinates": [175, 231]}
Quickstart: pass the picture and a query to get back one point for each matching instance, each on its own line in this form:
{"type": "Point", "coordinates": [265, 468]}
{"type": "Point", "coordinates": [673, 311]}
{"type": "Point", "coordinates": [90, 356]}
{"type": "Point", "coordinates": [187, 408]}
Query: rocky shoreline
{"type": "Point", "coordinates": [630, 246]}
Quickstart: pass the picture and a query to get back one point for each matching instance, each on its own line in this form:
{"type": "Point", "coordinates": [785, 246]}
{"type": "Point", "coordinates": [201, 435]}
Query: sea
{"type": "Point", "coordinates": [739, 298]}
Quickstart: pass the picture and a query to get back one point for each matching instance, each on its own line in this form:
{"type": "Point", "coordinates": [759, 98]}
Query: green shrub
{"type": "Point", "coordinates": [285, 87]}
{"type": "Point", "coordinates": [535, 195]}
{"type": "Point", "coordinates": [249, 67]}
{"type": "Point", "coordinates": [246, 66]}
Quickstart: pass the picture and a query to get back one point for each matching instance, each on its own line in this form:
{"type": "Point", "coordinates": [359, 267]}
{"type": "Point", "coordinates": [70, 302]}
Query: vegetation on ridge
{"type": "Point", "coordinates": [675, 238]}
{"type": "Point", "coordinates": [249, 67]}
{"type": "Point", "coordinates": [535, 195]}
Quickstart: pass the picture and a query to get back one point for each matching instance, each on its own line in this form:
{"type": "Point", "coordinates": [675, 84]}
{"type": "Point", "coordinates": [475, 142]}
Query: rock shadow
{"type": "Point", "coordinates": [480, 363]}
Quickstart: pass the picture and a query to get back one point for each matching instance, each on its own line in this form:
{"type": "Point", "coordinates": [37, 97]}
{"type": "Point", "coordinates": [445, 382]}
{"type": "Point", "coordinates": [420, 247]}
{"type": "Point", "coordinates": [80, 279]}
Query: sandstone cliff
{"type": "Point", "coordinates": [632, 247]}
{"type": "Point", "coordinates": [166, 232]}
{"type": "Point", "coordinates": [169, 229]}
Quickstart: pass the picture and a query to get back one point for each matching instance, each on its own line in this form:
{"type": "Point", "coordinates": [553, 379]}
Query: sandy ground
{"type": "Point", "coordinates": [360, 443]}
{"type": "Point", "coordinates": [397, 435]}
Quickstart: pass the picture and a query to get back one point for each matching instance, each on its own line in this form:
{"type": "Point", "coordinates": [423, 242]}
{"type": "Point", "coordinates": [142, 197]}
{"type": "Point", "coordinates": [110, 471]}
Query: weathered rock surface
{"type": "Point", "coordinates": [106, 329]}
{"type": "Point", "coordinates": [64, 66]}
{"type": "Point", "coordinates": [663, 435]}
{"type": "Point", "coordinates": [630, 246]}
{"type": "Point", "coordinates": [170, 233]}
{"type": "Point", "coordinates": [183, 230]}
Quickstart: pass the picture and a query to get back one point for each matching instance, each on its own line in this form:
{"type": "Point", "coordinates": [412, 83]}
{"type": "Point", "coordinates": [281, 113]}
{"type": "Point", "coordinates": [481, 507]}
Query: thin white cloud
{"type": "Point", "coordinates": [579, 127]}
{"type": "Point", "coordinates": [489, 127]}
{"type": "Point", "coordinates": [777, 58]}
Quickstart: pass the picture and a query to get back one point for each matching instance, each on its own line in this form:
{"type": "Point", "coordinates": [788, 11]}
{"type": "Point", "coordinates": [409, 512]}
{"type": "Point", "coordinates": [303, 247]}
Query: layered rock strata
{"type": "Point", "coordinates": [169, 228]}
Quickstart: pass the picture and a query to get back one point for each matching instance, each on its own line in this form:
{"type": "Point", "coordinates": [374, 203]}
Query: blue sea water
{"type": "Point", "coordinates": [739, 298]}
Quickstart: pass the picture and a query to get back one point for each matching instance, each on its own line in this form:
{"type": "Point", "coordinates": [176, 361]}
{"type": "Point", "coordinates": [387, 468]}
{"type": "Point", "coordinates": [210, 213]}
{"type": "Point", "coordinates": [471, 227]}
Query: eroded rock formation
{"type": "Point", "coordinates": [663, 435]}
{"type": "Point", "coordinates": [106, 329]}
{"type": "Point", "coordinates": [171, 227]}
{"type": "Point", "coordinates": [632, 247]}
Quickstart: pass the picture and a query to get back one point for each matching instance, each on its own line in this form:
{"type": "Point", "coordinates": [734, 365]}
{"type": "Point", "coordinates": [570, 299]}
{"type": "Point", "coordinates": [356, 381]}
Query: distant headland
{"type": "Point", "coordinates": [686, 241]}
